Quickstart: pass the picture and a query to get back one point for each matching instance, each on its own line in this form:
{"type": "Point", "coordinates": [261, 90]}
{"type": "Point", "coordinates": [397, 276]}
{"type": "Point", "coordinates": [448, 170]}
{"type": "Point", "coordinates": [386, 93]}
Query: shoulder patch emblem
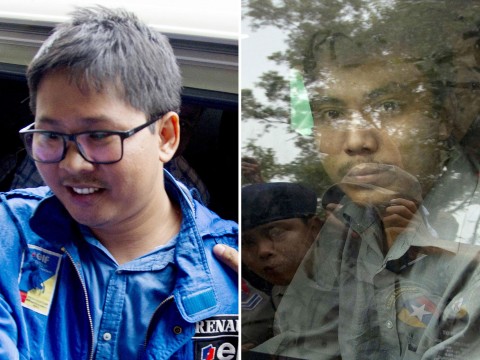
{"type": "Point", "coordinates": [251, 302]}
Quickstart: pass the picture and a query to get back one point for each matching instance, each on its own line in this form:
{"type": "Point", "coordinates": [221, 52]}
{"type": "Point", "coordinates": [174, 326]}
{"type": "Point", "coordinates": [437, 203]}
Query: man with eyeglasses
{"type": "Point", "coordinates": [114, 259]}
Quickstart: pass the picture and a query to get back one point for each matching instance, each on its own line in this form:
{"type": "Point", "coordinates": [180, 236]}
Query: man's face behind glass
{"type": "Point", "coordinates": [374, 122]}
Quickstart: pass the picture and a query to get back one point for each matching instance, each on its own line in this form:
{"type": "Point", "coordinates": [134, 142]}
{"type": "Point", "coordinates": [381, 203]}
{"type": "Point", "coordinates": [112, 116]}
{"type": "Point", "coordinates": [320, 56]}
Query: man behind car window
{"type": "Point", "coordinates": [400, 278]}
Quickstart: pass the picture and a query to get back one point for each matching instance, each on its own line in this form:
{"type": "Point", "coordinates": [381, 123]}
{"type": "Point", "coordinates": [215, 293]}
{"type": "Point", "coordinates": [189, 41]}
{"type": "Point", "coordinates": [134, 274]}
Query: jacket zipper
{"type": "Point", "coordinates": [151, 320]}
{"type": "Point", "coordinates": [90, 320]}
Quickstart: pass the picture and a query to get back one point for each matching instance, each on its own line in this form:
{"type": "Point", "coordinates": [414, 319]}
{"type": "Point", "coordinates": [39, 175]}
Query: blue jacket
{"type": "Point", "coordinates": [39, 320]}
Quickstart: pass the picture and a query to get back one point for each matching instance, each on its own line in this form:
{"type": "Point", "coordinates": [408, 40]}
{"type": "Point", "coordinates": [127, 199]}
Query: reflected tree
{"type": "Point", "coordinates": [378, 27]}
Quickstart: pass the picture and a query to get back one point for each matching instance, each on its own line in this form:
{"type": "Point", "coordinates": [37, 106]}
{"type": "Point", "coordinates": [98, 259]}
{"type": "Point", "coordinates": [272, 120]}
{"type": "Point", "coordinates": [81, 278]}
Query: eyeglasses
{"type": "Point", "coordinates": [96, 147]}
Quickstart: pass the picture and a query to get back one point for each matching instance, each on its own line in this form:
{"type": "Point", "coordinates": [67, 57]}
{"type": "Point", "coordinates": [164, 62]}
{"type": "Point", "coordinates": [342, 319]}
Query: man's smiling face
{"type": "Point", "coordinates": [105, 195]}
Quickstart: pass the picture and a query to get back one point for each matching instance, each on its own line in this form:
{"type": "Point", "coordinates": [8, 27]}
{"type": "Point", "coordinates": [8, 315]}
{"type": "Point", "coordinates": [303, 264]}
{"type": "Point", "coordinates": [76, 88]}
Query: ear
{"type": "Point", "coordinates": [315, 224]}
{"type": "Point", "coordinates": [169, 136]}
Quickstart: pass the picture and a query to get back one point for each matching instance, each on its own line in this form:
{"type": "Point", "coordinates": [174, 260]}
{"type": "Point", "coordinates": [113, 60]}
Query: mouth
{"type": "Point", "coordinates": [369, 168]}
{"type": "Point", "coordinates": [370, 173]}
{"type": "Point", "coordinates": [84, 191]}
{"type": "Point", "coordinates": [389, 180]}
{"type": "Point", "coordinates": [270, 269]}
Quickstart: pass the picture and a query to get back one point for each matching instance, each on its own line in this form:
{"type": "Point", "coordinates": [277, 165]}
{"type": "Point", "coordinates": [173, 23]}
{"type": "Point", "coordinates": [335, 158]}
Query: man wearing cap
{"type": "Point", "coordinates": [279, 224]}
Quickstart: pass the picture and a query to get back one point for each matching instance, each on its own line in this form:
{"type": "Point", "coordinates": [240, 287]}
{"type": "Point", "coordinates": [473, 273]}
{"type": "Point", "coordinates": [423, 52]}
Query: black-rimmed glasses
{"type": "Point", "coordinates": [96, 147]}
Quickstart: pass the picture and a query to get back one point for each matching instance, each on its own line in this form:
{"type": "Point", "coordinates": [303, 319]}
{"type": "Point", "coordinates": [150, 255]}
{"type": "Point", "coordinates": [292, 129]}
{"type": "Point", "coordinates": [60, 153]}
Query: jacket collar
{"type": "Point", "coordinates": [195, 292]}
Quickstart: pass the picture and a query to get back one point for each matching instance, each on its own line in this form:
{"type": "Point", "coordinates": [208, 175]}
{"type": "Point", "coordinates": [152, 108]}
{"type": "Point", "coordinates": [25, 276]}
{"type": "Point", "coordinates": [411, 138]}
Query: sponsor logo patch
{"type": "Point", "coordinates": [216, 338]}
{"type": "Point", "coordinates": [37, 278]}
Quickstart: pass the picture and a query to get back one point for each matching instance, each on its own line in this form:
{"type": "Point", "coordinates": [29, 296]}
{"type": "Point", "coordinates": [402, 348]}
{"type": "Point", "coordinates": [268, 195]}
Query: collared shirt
{"type": "Point", "coordinates": [124, 296]}
{"type": "Point", "coordinates": [417, 301]}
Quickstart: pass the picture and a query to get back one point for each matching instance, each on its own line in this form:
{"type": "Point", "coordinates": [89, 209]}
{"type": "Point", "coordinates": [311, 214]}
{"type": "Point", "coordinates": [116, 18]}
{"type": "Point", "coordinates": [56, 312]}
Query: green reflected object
{"type": "Point", "coordinates": [301, 119]}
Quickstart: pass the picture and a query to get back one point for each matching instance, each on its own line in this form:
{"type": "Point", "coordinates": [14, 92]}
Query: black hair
{"type": "Point", "coordinates": [102, 47]}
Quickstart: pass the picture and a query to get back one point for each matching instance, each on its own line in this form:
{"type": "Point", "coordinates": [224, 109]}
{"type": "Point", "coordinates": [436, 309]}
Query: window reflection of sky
{"type": "Point", "coordinates": [263, 43]}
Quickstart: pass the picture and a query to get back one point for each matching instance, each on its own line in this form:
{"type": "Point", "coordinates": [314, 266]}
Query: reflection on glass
{"type": "Point", "coordinates": [376, 105]}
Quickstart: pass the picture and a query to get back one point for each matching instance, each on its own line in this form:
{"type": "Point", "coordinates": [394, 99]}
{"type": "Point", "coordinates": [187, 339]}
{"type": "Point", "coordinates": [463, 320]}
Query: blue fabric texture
{"type": "Point", "coordinates": [46, 305]}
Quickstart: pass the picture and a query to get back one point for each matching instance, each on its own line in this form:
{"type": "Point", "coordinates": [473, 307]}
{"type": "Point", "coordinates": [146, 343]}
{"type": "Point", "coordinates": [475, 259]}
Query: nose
{"type": "Point", "coordinates": [360, 142]}
{"type": "Point", "coordinates": [361, 137]}
{"type": "Point", "coordinates": [265, 248]}
{"type": "Point", "coordinates": [73, 161]}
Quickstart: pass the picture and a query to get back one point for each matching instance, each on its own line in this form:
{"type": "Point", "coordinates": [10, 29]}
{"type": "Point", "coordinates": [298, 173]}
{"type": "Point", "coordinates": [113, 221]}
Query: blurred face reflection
{"type": "Point", "coordinates": [274, 250]}
{"type": "Point", "coordinates": [373, 120]}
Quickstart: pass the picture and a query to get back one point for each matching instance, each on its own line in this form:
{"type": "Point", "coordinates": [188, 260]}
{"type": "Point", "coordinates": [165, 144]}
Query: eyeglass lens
{"type": "Point", "coordinates": [101, 147]}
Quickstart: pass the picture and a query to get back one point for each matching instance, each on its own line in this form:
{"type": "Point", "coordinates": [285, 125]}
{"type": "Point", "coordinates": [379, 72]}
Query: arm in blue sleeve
{"type": "Point", "coordinates": [8, 333]}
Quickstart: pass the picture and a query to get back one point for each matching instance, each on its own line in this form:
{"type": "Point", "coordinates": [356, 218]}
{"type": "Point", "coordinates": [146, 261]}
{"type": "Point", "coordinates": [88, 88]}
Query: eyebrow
{"type": "Point", "coordinates": [391, 88]}
{"type": "Point", "coordinates": [92, 120]}
{"type": "Point", "coordinates": [320, 100]}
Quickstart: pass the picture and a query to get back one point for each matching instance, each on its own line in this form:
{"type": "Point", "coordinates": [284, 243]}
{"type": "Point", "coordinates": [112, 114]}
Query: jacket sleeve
{"type": "Point", "coordinates": [8, 333]}
{"type": "Point", "coordinates": [11, 319]}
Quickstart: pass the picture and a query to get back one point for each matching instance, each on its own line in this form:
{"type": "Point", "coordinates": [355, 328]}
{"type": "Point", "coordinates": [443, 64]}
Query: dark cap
{"type": "Point", "coordinates": [266, 202]}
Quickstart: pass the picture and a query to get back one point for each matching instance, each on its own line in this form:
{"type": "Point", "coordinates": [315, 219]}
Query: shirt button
{"type": "Point", "coordinates": [389, 324]}
{"type": "Point", "coordinates": [177, 330]}
{"type": "Point", "coordinates": [107, 336]}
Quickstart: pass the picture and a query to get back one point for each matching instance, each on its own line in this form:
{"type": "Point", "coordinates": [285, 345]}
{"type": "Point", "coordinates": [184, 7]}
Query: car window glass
{"type": "Point", "coordinates": [373, 105]}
